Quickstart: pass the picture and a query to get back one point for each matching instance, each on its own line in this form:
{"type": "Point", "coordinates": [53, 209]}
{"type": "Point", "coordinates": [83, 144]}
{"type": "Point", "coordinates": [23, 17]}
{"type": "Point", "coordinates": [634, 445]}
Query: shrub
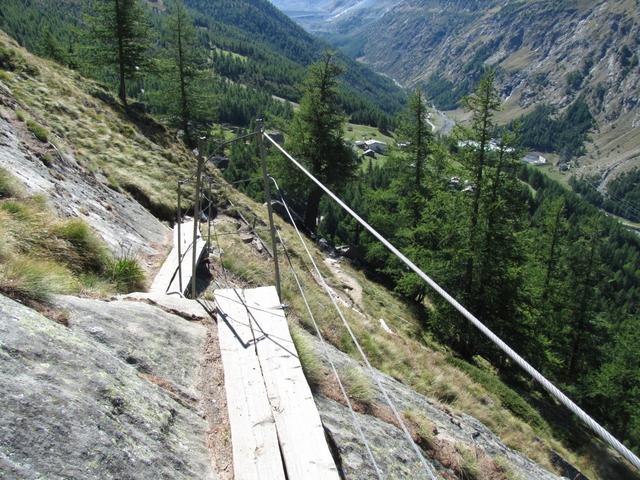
{"type": "Point", "coordinates": [127, 274]}
{"type": "Point", "coordinates": [27, 278]}
{"type": "Point", "coordinates": [21, 115]}
{"type": "Point", "coordinates": [9, 186]}
{"type": "Point", "coordinates": [311, 365]}
{"type": "Point", "coordinates": [9, 59]}
{"type": "Point", "coordinates": [359, 386]}
{"type": "Point", "coordinates": [39, 131]}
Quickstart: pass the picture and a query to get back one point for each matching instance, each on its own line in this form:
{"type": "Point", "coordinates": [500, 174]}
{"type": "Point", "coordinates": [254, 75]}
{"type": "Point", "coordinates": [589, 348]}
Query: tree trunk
{"type": "Point", "coordinates": [313, 206]}
{"type": "Point", "coordinates": [122, 90]}
{"type": "Point", "coordinates": [184, 103]}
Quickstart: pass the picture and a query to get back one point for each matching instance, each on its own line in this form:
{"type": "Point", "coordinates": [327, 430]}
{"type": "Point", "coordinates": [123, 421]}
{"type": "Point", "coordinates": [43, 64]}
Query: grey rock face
{"type": "Point", "coordinates": [73, 191]}
{"type": "Point", "coordinates": [390, 447]}
{"type": "Point", "coordinates": [110, 397]}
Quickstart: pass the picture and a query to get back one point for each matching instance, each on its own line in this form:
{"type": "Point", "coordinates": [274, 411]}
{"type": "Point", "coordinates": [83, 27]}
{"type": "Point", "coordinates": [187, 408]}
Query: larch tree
{"type": "Point", "coordinates": [417, 132]}
{"type": "Point", "coordinates": [482, 104]}
{"type": "Point", "coordinates": [185, 65]}
{"type": "Point", "coordinates": [317, 133]}
{"type": "Point", "coordinates": [120, 38]}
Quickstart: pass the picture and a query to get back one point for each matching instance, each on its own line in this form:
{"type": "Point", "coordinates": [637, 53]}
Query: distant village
{"type": "Point", "coordinates": [371, 148]}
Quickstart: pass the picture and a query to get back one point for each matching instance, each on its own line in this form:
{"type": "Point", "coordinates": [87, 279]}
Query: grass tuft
{"type": "Point", "coordinates": [91, 253]}
{"type": "Point", "coordinates": [127, 274]}
{"type": "Point", "coordinates": [311, 364]}
{"type": "Point", "coordinates": [27, 278]}
{"type": "Point", "coordinates": [469, 467]}
{"type": "Point", "coordinates": [38, 130]}
{"type": "Point", "coordinates": [359, 386]}
{"type": "Point", "coordinates": [9, 186]}
{"type": "Point", "coordinates": [423, 429]}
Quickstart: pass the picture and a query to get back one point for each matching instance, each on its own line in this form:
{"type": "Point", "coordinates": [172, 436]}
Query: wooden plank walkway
{"type": "Point", "coordinates": [300, 435]}
{"type": "Point", "coordinates": [256, 454]}
{"type": "Point", "coordinates": [167, 280]}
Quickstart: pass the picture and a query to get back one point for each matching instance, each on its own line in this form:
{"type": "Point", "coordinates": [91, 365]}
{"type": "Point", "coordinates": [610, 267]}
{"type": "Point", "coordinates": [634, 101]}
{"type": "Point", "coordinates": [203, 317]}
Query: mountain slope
{"type": "Point", "coordinates": [250, 42]}
{"type": "Point", "coordinates": [113, 151]}
{"type": "Point", "coordinates": [544, 52]}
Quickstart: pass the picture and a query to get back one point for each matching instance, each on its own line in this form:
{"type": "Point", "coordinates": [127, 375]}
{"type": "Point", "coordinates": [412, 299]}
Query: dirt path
{"type": "Point", "coordinates": [214, 406]}
{"type": "Point", "coordinates": [350, 286]}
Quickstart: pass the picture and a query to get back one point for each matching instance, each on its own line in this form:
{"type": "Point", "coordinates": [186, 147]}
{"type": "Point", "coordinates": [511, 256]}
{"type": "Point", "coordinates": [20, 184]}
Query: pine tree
{"type": "Point", "coordinates": [415, 130]}
{"type": "Point", "coordinates": [317, 133]}
{"type": "Point", "coordinates": [120, 38]}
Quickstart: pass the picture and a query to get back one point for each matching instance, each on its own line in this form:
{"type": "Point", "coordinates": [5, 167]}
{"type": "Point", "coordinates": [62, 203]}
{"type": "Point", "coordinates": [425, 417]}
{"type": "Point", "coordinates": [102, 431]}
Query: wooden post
{"type": "Point", "coordinates": [196, 216]}
{"type": "Point", "coordinates": [209, 217]}
{"type": "Point", "coordinates": [267, 196]}
{"type": "Point", "coordinates": [180, 237]}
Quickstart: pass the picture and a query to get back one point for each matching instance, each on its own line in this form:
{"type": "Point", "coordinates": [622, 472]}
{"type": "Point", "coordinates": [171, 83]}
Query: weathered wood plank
{"type": "Point", "coordinates": [168, 269]}
{"type": "Point", "coordinates": [256, 454]}
{"type": "Point", "coordinates": [300, 431]}
{"type": "Point", "coordinates": [187, 268]}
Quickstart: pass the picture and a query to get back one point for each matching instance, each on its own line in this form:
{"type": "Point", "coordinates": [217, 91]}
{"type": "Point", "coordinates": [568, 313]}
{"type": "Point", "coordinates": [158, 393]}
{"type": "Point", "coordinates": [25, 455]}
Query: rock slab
{"type": "Point", "coordinates": [110, 397]}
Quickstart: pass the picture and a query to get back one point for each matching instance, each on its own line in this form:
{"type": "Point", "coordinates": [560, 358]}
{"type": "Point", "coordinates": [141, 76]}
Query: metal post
{"type": "Point", "coordinates": [196, 216]}
{"type": "Point", "coordinates": [180, 236]}
{"type": "Point", "coordinates": [267, 196]}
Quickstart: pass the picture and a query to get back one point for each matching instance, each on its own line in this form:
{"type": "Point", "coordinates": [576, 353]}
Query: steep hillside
{"type": "Point", "coordinates": [545, 52]}
{"type": "Point", "coordinates": [250, 43]}
{"type": "Point", "coordinates": [463, 417]}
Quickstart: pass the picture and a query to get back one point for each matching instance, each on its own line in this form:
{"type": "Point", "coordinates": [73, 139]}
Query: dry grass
{"type": "Point", "coordinates": [311, 364]}
{"type": "Point", "coordinates": [359, 386]}
{"type": "Point", "coordinates": [42, 255]}
{"type": "Point", "coordinates": [70, 111]}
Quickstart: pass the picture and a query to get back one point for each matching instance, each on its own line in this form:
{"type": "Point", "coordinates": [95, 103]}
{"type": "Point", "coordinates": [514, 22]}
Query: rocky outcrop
{"type": "Point", "coordinates": [72, 190]}
{"type": "Point", "coordinates": [389, 446]}
{"type": "Point", "coordinates": [111, 396]}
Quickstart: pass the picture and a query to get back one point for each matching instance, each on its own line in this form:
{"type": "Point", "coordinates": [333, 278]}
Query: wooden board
{"type": "Point", "coordinates": [187, 268]}
{"type": "Point", "coordinates": [167, 280]}
{"type": "Point", "coordinates": [168, 269]}
{"type": "Point", "coordinates": [256, 453]}
{"type": "Point", "coordinates": [300, 431]}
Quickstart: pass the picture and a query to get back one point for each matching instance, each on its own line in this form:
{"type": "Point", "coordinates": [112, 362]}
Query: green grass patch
{"type": "Point", "coordinates": [127, 274]}
{"type": "Point", "coordinates": [9, 186]}
{"type": "Point", "coordinates": [23, 277]}
{"type": "Point", "coordinates": [508, 397]}
{"type": "Point", "coordinates": [90, 250]}
{"type": "Point", "coordinates": [311, 364]}
{"type": "Point", "coordinates": [359, 387]}
{"type": "Point", "coordinates": [38, 130]}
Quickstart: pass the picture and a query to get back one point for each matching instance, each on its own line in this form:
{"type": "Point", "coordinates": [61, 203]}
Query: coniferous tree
{"type": "Point", "coordinates": [317, 133]}
{"type": "Point", "coordinates": [416, 131]}
{"type": "Point", "coordinates": [186, 62]}
{"type": "Point", "coordinates": [482, 105]}
{"type": "Point", "coordinates": [51, 47]}
{"type": "Point", "coordinates": [121, 39]}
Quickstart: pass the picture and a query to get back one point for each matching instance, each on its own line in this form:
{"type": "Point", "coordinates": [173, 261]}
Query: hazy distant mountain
{"type": "Point", "coordinates": [544, 51]}
{"type": "Point", "coordinates": [334, 16]}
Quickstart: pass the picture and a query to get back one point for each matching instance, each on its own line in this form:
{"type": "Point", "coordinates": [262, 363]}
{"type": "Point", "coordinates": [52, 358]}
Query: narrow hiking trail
{"type": "Point", "coordinates": [274, 426]}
